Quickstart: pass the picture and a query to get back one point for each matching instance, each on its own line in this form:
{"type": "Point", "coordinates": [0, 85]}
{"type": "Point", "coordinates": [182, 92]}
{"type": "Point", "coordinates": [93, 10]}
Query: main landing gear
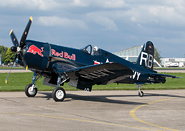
{"type": "Point", "coordinates": [31, 89]}
{"type": "Point", "coordinates": [58, 93]}
{"type": "Point", "coordinates": [140, 93]}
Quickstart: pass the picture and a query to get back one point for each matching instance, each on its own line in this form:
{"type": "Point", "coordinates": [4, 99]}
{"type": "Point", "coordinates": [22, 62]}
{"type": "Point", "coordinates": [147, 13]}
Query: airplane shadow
{"type": "Point", "coordinates": [95, 98]}
{"type": "Point", "coordinates": [168, 95]}
{"type": "Point", "coordinates": [107, 98]}
{"type": "Point", "coordinates": [104, 99]}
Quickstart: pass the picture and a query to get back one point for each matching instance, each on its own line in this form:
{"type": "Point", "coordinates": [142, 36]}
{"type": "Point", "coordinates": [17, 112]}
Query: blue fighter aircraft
{"type": "Point", "coordinates": [81, 68]}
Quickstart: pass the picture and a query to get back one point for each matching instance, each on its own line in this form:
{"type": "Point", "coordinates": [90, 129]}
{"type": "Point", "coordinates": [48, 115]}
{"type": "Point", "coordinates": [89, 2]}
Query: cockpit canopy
{"type": "Point", "coordinates": [91, 50]}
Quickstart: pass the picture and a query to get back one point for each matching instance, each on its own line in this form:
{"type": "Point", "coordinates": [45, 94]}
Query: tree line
{"type": "Point", "coordinates": [6, 54]}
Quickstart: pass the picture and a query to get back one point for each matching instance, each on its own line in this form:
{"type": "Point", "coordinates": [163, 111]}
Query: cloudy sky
{"type": "Point", "coordinates": [113, 25]}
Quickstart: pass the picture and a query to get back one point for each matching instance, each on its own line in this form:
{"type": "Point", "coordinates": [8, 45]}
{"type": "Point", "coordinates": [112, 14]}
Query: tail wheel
{"type": "Point", "coordinates": [58, 94]}
{"type": "Point", "coordinates": [141, 93]}
{"type": "Point", "coordinates": [30, 90]}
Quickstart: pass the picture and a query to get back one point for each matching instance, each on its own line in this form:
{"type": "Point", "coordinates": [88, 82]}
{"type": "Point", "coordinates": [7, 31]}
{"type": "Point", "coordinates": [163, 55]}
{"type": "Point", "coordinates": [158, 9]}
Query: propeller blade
{"type": "Point", "coordinates": [26, 67]}
{"type": "Point", "coordinates": [6, 81]}
{"type": "Point", "coordinates": [24, 35]}
{"type": "Point", "coordinates": [14, 39]}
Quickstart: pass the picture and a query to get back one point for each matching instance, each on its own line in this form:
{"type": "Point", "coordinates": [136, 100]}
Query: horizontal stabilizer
{"type": "Point", "coordinates": [162, 75]}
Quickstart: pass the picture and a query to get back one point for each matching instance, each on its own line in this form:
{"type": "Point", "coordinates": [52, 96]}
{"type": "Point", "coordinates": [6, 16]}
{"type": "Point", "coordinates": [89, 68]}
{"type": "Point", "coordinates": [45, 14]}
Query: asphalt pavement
{"type": "Point", "coordinates": [97, 110]}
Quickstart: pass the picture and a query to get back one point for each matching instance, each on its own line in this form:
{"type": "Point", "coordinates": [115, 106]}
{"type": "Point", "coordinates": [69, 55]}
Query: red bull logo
{"type": "Point", "coordinates": [33, 49]}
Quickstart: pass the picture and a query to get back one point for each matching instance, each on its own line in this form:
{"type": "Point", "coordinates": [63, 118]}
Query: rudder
{"type": "Point", "coordinates": [146, 56]}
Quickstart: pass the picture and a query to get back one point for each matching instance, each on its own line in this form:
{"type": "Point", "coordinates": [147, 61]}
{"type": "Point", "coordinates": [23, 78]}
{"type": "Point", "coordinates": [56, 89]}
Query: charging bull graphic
{"type": "Point", "coordinates": [33, 49]}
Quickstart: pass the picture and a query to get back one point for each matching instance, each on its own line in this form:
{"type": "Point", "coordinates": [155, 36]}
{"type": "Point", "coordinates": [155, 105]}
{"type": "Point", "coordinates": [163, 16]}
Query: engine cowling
{"type": "Point", "coordinates": [37, 55]}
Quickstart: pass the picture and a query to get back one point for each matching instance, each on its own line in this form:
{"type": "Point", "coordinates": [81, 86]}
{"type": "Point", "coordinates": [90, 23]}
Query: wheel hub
{"type": "Point", "coordinates": [31, 90]}
{"type": "Point", "coordinates": [59, 94]}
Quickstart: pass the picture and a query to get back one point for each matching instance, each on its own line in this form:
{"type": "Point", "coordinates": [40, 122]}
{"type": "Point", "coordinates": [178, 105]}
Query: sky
{"type": "Point", "coordinates": [113, 25]}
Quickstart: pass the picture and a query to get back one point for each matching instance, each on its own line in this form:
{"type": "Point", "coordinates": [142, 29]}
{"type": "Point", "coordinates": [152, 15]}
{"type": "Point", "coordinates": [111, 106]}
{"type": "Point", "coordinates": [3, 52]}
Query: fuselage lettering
{"type": "Point", "coordinates": [63, 55]}
{"type": "Point", "coordinates": [144, 57]}
{"type": "Point", "coordinates": [136, 75]}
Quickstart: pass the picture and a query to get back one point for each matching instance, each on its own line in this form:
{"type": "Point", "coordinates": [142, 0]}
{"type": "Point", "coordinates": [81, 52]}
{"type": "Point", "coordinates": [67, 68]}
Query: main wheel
{"type": "Point", "coordinates": [58, 94]}
{"type": "Point", "coordinates": [30, 91]}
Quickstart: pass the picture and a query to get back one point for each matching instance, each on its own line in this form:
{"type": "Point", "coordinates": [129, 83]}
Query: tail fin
{"type": "Point", "coordinates": [146, 56]}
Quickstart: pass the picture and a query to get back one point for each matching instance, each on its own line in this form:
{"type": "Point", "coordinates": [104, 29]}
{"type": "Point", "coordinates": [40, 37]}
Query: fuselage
{"type": "Point", "coordinates": [82, 68]}
{"type": "Point", "coordinates": [42, 56]}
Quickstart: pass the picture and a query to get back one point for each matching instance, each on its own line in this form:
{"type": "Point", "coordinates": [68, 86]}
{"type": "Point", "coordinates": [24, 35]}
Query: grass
{"type": "Point", "coordinates": [3, 68]}
{"type": "Point", "coordinates": [18, 82]}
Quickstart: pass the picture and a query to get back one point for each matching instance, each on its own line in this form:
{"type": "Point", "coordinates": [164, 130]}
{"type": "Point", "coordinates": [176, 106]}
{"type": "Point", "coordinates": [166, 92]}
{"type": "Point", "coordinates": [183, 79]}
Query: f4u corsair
{"type": "Point", "coordinates": [82, 68]}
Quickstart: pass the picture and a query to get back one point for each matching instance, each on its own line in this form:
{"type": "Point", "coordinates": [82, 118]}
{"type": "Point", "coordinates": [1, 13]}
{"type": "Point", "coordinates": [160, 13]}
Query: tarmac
{"type": "Point", "coordinates": [158, 110]}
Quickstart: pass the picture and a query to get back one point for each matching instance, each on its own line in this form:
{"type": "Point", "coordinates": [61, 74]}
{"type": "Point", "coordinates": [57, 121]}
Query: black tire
{"type": "Point", "coordinates": [141, 93]}
{"type": "Point", "coordinates": [30, 93]}
{"type": "Point", "coordinates": [58, 94]}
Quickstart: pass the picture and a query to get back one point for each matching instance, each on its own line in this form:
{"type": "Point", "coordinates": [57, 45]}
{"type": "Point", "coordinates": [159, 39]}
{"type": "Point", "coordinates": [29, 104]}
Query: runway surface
{"type": "Point", "coordinates": [97, 110]}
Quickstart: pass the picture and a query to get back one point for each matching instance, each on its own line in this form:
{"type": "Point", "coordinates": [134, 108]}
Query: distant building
{"type": "Point", "coordinates": [173, 62]}
{"type": "Point", "coordinates": [132, 54]}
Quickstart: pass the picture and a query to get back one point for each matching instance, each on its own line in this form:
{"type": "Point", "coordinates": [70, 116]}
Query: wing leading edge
{"type": "Point", "coordinates": [84, 77]}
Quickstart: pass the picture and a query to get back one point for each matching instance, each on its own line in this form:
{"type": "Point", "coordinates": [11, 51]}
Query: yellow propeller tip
{"type": "Point", "coordinates": [6, 81]}
{"type": "Point", "coordinates": [26, 68]}
{"type": "Point", "coordinates": [31, 18]}
{"type": "Point", "coordinates": [11, 32]}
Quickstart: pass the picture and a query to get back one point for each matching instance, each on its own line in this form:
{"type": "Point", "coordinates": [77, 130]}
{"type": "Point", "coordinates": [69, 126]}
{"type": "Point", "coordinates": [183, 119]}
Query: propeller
{"type": "Point", "coordinates": [18, 48]}
{"type": "Point", "coordinates": [25, 33]}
